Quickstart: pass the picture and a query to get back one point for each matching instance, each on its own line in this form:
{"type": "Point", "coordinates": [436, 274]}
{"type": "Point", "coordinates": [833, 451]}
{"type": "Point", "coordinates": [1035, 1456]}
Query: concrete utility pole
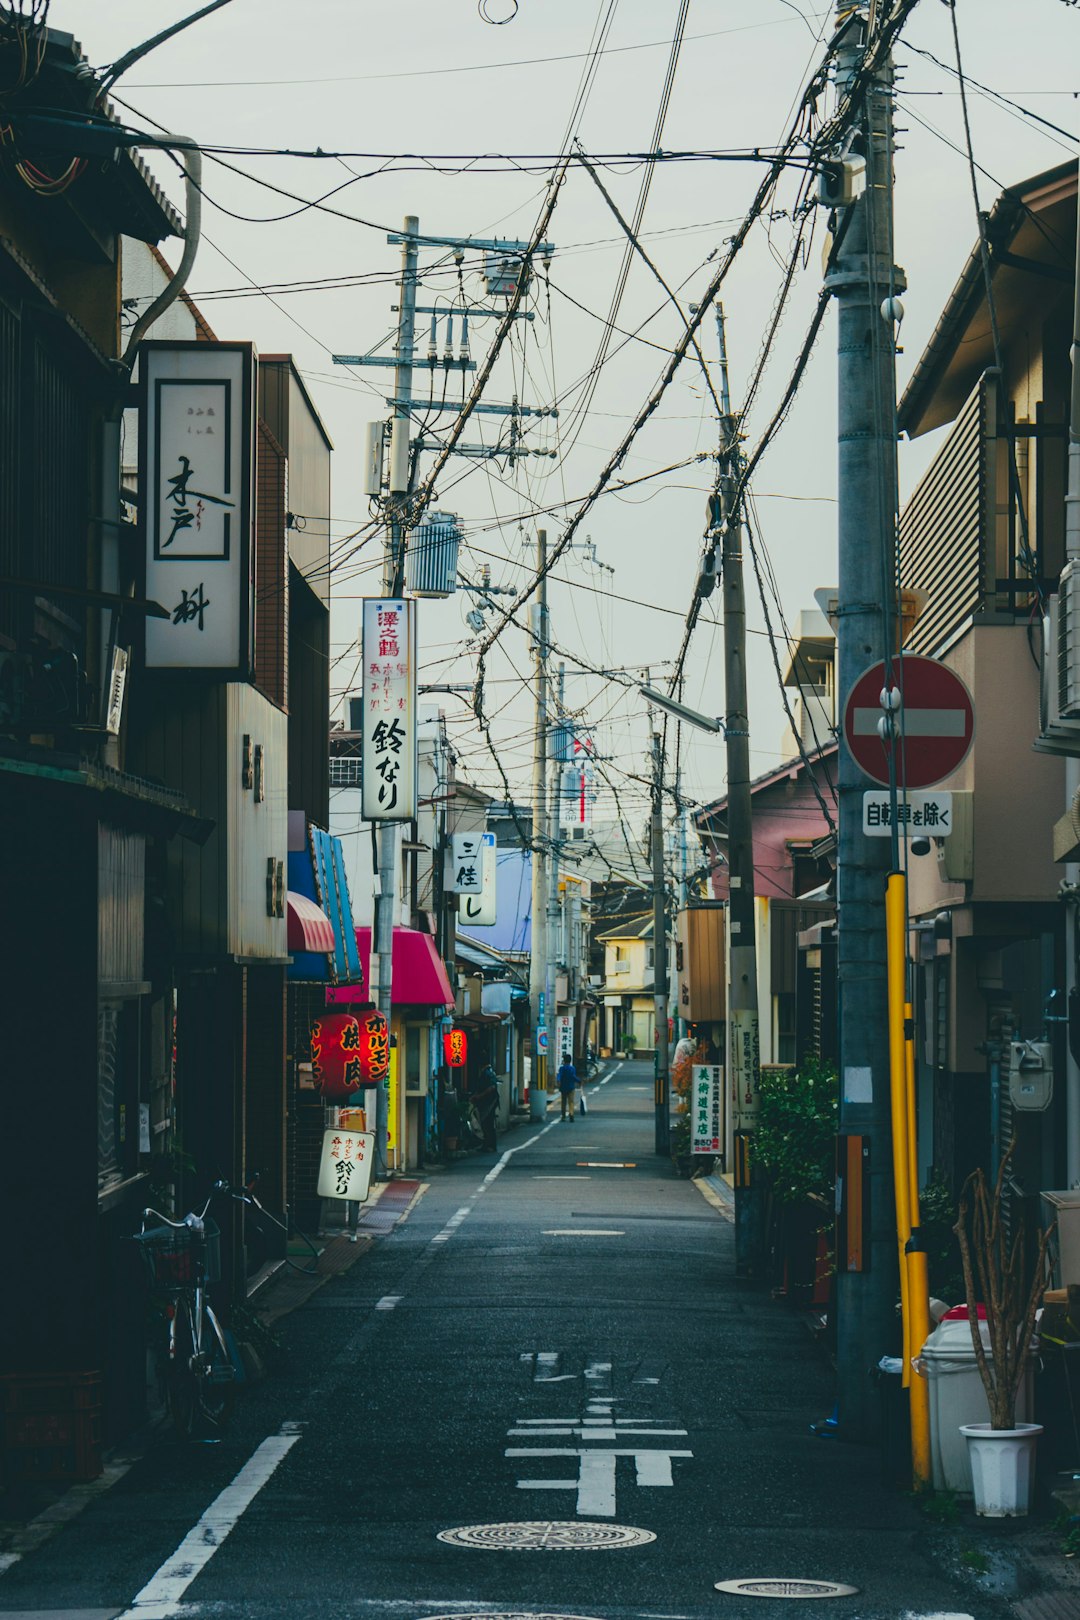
{"type": "Point", "coordinates": [555, 947]}
{"type": "Point", "coordinates": [744, 1045]}
{"type": "Point", "coordinates": [380, 971]}
{"type": "Point", "coordinates": [660, 948]}
{"type": "Point", "coordinates": [538, 949]}
{"type": "Point", "coordinates": [862, 278]}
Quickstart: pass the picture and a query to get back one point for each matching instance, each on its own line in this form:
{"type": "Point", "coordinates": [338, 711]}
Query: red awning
{"type": "Point", "coordinates": [310, 929]}
{"type": "Point", "coordinates": [418, 974]}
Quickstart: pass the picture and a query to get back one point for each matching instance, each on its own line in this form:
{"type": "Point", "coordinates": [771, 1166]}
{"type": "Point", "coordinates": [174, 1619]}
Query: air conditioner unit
{"type": "Point", "coordinates": [1059, 706]}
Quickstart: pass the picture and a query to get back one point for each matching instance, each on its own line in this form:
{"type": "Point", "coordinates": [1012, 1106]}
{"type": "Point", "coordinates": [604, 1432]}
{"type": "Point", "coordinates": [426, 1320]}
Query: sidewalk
{"type": "Point", "coordinates": [1019, 1561]}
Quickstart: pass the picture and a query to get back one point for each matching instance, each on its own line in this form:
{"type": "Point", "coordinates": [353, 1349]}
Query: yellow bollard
{"type": "Point", "coordinates": [918, 1284]}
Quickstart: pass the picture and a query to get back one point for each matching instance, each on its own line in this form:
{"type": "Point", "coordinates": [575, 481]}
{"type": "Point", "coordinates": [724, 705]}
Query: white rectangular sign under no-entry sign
{"type": "Point", "coordinates": [924, 813]}
{"type": "Point", "coordinates": [345, 1166]}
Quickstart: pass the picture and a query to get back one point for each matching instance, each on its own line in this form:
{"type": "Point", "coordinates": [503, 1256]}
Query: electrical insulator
{"type": "Point", "coordinates": [433, 347]}
{"type": "Point", "coordinates": [448, 349]}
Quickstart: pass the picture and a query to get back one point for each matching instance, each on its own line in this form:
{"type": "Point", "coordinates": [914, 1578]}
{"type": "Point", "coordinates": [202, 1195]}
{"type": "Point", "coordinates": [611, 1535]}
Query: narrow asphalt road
{"type": "Point", "coordinates": [553, 1336]}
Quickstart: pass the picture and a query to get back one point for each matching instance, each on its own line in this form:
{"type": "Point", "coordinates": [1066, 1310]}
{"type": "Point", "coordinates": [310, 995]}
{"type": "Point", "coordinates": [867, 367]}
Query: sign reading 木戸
{"type": "Point", "coordinates": [926, 814]}
{"type": "Point", "coordinates": [388, 727]}
{"type": "Point", "coordinates": [345, 1166]}
{"type": "Point", "coordinates": [706, 1108]}
{"type": "Point", "coordinates": [196, 426]}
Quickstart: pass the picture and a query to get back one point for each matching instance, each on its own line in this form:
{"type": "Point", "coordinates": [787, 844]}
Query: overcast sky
{"type": "Point", "coordinates": [430, 77]}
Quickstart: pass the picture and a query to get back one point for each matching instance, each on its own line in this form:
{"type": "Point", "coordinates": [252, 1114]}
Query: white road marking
{"type": "Point", "coordinates": [582, 1231]}
{"type": "Point", "coordinates": [388, 1302]}
{"type": "Point", "coordinates": [161, 1596]}
{"type": "Point", "coordinates": [595, 1484]}
{"type": "Point", "coordinates": [562, 1178]}
{"type": "Point", "coordinates": [605, 1164]}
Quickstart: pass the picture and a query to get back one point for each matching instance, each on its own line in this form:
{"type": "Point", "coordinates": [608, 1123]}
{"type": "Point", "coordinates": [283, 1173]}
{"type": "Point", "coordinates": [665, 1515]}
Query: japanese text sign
{"type": "Point", "coordinates": [455, 1048]}
{"type": "Point", "coordinates": [196, 426]}
{"type": "Point", "coordinates": [745, 1067]}
{"type": "Point", "coordinates": [468, 874]}
{"type": "Point", "coordinates": [706, 1108]}
{"type": "Point", "coordinates": [481, 910]}
{"type": "Point", "coordinates": [927, 814]}
{"type": "Point", "coordinates": [348, 1051]}
{"type": "Point", "coordinates": [345, 1165]}
{"type": "Point", "coordinates": [388, 726]}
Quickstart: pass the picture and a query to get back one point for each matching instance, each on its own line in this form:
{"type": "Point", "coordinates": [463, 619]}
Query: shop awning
{"type": "Point", "coordinates": [418, 973]}
{"type": "Point", "coordinates": [310, 929]}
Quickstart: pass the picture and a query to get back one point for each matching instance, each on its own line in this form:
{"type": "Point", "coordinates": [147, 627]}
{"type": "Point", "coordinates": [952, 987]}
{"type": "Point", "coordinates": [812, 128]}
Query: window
{"type": "Point", "coordinates": [344, 772]}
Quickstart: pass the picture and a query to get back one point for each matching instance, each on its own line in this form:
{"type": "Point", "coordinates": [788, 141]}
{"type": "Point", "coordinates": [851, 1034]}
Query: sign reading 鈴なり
{"type": "Point", "coordinates": [388, 729]}
{"type": "Point", "coordinates": [345, 1166]}
{"type": "Point", "coordinates": [481, 910]}
{"type": "Point", "coordinates": [745, 1068]}
{"type": "Point", "coordinates": [706, 1108]}
{"type": "Point", "coordinates": [196, 426]}
{"type": "Point", "coordinates": [926, 814]}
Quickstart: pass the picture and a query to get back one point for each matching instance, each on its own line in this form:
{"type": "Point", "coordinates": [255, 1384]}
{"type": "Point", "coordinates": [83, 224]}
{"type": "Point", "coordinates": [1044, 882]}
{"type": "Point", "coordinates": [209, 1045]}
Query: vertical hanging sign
{"type": "Point", "coordinates": [196, 437]}
{"type": "Point", "coordinates": [481, 910]}
{"type": "Point", "coordinates": [388, 729]}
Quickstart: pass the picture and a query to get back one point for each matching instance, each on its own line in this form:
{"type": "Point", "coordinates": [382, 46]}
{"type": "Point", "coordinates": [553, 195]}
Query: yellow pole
{"type": "Point", "coordinates": [896, 944]}
{"type": "Point", "coordinates": [918, 1282]}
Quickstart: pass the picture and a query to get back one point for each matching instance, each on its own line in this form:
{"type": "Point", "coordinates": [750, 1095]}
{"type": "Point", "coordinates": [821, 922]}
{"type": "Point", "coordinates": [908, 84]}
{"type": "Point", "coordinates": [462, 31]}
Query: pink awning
{"type": "Point", "coordinates": [309, 928]}
{"type": "Point", "coordinates": [419, 975]}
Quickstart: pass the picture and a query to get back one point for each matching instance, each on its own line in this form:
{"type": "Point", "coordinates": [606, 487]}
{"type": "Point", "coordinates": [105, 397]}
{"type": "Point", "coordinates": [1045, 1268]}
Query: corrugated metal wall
{"type": "Point", "coordinates": [121, 905]}
{"type": "Point", "coordinates": [946, 528]}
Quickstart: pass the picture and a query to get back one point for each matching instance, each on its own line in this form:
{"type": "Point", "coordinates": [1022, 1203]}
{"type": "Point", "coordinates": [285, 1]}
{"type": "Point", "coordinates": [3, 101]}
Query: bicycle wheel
{"type": "Point", "coordinates": [200, 1380]}
{"type": "Point", "coordinates": [215, 1383]}
{"type": "Point", "coordinates": [183, 1395]}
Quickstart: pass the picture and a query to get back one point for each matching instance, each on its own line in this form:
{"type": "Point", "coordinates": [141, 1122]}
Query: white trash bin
{"type": "Point", "coordinates": [957, 1396]}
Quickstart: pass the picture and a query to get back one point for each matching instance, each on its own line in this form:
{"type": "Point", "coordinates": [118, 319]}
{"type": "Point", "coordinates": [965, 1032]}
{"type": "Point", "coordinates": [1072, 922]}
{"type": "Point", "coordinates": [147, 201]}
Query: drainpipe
{"type": "Point", "coordinates": [1072, 765]}
{"type": "Point", "coordinates": [111, 470]}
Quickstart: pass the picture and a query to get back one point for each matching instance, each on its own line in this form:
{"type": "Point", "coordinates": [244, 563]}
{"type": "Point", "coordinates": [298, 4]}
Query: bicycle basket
{"type": "Point", "coordinates": [171, 1255]}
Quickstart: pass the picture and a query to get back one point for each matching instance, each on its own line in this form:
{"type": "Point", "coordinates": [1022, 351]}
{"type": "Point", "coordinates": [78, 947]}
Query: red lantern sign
{"type": "Point", "coordinates": [349, 1051]}
{"type": "Point", "coordinates": [374, 1047]}
{"type": "Point", "coordinates": [455, 1048]}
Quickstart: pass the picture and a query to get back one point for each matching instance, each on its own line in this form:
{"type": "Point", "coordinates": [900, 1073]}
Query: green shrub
{"type": "Point", "coordinates": [794, 1139]}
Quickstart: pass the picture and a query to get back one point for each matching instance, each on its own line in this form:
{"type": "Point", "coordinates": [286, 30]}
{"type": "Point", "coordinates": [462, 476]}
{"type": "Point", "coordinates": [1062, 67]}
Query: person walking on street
{"type": "Point", "coordinates": [567, 1082]}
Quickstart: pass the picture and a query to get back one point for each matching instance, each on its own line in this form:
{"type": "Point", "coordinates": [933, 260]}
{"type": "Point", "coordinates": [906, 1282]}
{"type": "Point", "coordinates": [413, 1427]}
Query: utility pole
{"type": "Point", "coordinates": [381, 962]}
{"type": "Point", "coordinates": [555, 948]}
{"type": "Point", "coordinates": [862, 279]}
{"type": "Point", "coordinates": [538, 948]}
{"type": "Point", "coordinates": [660, 948]}
{"type": "Point", "coordinates": [744, 1045]}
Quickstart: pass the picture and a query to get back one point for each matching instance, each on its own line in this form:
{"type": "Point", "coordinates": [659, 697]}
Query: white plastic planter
{"type": "Point", "coordinates": [1002, 1467]}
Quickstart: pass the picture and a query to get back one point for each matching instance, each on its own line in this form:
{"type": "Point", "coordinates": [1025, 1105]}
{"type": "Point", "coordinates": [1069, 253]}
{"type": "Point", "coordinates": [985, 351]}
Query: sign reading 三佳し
{"type": "Point", "coordinates": [388, 726]}
{"type": "Point", "coordinates": [196, 425]}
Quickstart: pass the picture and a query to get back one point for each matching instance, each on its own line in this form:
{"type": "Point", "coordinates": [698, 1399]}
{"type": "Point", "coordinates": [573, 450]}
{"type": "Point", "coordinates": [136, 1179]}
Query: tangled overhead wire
{"type": "Point", "coordinates": [484, 8]}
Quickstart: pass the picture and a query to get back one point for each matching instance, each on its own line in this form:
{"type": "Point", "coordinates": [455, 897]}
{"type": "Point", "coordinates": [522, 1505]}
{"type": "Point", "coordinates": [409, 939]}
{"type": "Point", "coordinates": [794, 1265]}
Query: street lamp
{"type": "Point", "coordinates": [680, 711]}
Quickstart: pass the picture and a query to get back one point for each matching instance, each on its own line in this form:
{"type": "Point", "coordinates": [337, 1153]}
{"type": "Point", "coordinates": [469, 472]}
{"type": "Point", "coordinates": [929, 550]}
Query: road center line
{"type": "Point", "coordinates": [162, 1594]}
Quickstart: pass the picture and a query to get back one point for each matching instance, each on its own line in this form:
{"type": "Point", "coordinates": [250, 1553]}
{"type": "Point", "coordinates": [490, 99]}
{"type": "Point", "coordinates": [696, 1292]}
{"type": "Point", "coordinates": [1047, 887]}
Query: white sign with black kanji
{"type": "Point", "coordinates": [925, 813]}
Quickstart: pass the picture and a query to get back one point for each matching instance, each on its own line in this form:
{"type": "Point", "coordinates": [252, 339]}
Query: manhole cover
{"type": "Point", "coordinates": [770, 1587]}
{"type": "Point", "coordinates": [546, 1535]}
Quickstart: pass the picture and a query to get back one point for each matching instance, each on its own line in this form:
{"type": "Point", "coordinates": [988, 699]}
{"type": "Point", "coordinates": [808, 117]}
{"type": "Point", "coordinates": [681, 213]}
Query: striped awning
{"type": "Point", "coordinates": [310, 929]}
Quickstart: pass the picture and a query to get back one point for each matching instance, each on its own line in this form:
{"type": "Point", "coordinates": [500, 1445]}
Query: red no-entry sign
{"type": "Point", "coordinates": [934, 723]}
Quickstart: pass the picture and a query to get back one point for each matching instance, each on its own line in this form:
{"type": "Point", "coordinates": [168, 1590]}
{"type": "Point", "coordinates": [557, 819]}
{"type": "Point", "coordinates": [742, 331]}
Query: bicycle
{"type": "Point", "coordinates": [181, 1258]}
{"type": "Point", "coordinates": [256, 1237]}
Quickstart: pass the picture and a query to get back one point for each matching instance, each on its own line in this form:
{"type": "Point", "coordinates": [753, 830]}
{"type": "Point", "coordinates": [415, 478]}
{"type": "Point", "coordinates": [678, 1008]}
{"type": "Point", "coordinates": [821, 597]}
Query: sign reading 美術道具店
{"type": "Point", "coordinates": [706, 1108]}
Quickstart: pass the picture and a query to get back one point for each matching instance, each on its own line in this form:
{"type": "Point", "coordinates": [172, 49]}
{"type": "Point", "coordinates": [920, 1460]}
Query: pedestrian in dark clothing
{"type": "Point", "coordinates": [486, 1101]}
{"type": "Point", "coordinates": [567, 1082]}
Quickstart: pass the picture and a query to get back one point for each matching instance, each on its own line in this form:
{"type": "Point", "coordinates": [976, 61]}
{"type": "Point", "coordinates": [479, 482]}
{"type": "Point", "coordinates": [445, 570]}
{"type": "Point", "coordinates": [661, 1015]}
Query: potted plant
{"type": "Point", "coordinates": [628, 1044]}
{"type": "Point", "coordinates": [999, 1280]}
